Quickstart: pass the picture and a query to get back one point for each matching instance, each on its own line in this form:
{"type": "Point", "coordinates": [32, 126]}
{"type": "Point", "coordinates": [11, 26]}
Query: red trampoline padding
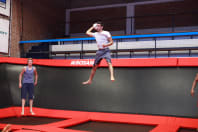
{"type": "Point", "coordinates": [46, 129]}
{"type": "Point", "coordinates": [164, 128]}
{"type": "Point", "coordinates": [131, 62]}
{"type": "Point", "coordinates": [148, 62]}
{"type": "Point", "coordinates": [25, 131]}
{"type": "Point", "coordinates": [188, 62]}
{"type": "Point", "coordinates": [162, 123]}
{"type": "Point", "coordinates": [7, 112]}
{"type": "Point", "coordinates": [70, 122]}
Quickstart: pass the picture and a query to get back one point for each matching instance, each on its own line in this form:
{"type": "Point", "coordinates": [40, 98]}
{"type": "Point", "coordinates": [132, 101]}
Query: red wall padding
{"type": "Point", "coordinates": [150, 62]}
{"type": "Point", "coordinates": [143, 62]}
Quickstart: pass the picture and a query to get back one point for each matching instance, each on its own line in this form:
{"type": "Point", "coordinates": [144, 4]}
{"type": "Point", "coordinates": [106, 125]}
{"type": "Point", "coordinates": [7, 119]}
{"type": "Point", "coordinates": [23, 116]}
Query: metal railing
{"type": "Point", "coordinates": [116, 39]}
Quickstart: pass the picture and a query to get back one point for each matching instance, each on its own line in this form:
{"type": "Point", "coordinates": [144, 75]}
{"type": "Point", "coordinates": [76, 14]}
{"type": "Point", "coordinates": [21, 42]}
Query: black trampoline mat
{"type": "Point", "coordinates": [111, 127]}
{"type": "Point", "coordinates": [29, 120]}
{"type": "Point", "coordinates": [187, 130]}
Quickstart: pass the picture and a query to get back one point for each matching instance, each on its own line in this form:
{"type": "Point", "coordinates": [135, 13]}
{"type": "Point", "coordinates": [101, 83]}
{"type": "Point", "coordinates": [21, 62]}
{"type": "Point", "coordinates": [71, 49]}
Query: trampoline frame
{"type": "Point", "coordinates": [72, 118]}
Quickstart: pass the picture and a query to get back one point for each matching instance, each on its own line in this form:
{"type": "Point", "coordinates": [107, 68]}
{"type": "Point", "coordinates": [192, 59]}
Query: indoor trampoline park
{"type": "Point", "coordinates": [98, 66]}
{"type": "Point", "coordinates": [134, 102]}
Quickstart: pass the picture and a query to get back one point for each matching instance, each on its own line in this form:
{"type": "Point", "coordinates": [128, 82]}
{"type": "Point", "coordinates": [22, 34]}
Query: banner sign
{"type": "Point", "coordinates": [4, 35]}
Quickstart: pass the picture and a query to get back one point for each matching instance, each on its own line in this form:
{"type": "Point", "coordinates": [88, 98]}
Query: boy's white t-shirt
{"type": "Point", "coordinates": [101, 38]}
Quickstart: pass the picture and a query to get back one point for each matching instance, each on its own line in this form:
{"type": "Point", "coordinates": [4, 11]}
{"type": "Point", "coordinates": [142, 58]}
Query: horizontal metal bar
{"type": "Point", "coordinates": [115, 37]}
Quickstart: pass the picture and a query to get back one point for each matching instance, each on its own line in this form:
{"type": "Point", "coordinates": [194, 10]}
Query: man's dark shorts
{"type": "Point", "coordinates": [102, 53]}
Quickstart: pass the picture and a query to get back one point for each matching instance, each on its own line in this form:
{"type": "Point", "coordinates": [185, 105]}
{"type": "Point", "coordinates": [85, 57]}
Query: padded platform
{"type": "Point", "coordinates": [72, 118]}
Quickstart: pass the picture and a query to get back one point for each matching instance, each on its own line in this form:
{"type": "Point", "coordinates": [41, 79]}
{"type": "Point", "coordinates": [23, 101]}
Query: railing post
{"type": "Point", "coordinates": [189, 52]}
{"type": "Point", "coordinates": [49, 50]}
{"type": "Point", "coordinates": [81, 54]}
{"type": "Point", "coordinates": [116, 48]}
{"type": "Point", "coordinates": [155, 47]}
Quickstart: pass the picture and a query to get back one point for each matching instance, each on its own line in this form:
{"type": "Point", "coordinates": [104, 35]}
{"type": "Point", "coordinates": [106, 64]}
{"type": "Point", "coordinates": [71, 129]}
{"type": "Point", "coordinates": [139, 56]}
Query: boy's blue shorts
{"type": "Point", "coordinates": [27, 88]}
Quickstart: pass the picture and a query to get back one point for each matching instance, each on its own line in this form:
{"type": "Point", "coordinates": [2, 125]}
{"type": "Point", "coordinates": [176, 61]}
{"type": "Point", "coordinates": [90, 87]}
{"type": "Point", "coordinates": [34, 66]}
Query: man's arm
{"type": "Point", "coordinates": [20, 77]}
{"type": "Point", "coordinates": [110, 42]}
{"type": "Point", "coordinates": [88, 32]}
{"type": "Point", "coordinates": [194, 84]}
{"type": "Point", "coordinates": [36, 76]}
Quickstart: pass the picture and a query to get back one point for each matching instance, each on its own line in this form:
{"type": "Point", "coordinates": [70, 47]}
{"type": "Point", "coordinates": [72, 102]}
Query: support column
{"type": "Point", "coordinates": [67, 24]}
{"type": "Point", "coordinates": [130, 24]}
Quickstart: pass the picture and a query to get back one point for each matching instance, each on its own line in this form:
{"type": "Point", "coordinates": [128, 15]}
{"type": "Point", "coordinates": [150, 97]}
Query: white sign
{"type": "Point", "coordinates": [5, 7]}
{"type": "Point", "coordinates": [82, 62]}
{"type": "Point", "coordinates": [4, 35]}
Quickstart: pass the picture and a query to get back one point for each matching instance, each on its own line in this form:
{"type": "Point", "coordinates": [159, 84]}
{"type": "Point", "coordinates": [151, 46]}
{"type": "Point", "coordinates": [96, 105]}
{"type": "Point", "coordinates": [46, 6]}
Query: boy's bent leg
{"type": "Point", "coordinates": [112, 78]}
{"type": "Point", "coordinates": [89, 81]}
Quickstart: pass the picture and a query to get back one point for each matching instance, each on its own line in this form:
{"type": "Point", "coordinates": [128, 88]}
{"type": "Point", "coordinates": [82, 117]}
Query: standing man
{"type": "Point", "coordinates": [30, 78]}
{"type": "Point", "coordinates": [103, 40]}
